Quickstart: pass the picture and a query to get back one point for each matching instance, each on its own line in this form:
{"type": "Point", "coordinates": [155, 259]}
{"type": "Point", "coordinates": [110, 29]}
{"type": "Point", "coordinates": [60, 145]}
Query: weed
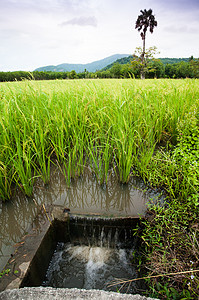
{"type": "Point", "coordinates": [4, 272]}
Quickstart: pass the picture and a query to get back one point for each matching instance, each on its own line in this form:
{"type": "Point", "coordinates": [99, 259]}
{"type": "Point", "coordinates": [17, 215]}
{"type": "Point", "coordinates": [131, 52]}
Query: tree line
{"type": "Point", "coordinates": [155, 69]}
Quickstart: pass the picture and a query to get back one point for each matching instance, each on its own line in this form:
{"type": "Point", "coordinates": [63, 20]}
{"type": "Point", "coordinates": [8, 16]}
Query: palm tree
{"type": "Point", "coordinates": [145, 20]}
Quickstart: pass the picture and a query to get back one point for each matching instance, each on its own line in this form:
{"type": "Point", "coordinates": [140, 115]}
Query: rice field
{"type": "Point", "coordinates": [105, 125]}
{"type": "Point", "coordinates": [120, 127]}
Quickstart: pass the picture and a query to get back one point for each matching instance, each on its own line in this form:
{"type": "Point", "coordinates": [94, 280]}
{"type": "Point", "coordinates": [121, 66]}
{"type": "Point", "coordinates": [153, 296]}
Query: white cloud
{"type": "Point", "coordinates": [81, 21]}
{"type": "Point", "coordinates": [181, 29]}
{"type": "Point", "coordinates": [34, 33]}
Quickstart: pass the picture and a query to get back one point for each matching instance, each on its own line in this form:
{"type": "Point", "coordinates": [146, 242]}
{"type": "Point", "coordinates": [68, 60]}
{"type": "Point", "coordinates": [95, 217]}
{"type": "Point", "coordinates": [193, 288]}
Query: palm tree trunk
{"type": "Point", "coordinates": [142, 73]}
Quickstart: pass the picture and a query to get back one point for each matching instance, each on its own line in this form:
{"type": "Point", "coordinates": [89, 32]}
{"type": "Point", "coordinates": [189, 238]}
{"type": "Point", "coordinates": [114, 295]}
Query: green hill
{"type": "Point", "coordinates": [90, 67]}
{"type": "Point", "coordinates": [103, 64]}
{"type": "Point", "coordinates": [127, 60]}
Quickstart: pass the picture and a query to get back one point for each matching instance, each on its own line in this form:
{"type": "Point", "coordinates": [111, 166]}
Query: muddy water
{"type": "Point", "coordinates": [84, 195]}
{"type": "Point", "coordinates": [97, 254]}
{"type": "Point", "coordinates": [88, 267]}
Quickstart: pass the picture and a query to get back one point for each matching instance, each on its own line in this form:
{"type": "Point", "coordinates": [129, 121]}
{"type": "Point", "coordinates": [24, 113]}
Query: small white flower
{"type": "Point", "coordinates": [192, 277]}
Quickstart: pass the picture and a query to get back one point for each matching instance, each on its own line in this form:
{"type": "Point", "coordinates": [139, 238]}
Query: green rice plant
{"type": "Point", "coordinates": [107, 157]}
{"type": "Point", "coordinates": [100, 153]}
{"type": "Point", "coordinates": [41, 154]}
{"type": "Point", "coordinates": [143, 158]}
{"type": "Point", "coordinates": [127, 118]}
{"type": "Point", "coordinates": [123, 154]}
{"type": "Point", "coordinates": [6, 174]}
{"type": "Point", "coordinates": [58, 137]}
{"type": "Point", "coordinates": [22, 162]}
{"type": "Point", "coordinates": [78, 155]}
{"type": "Point", "coordinates": [177, 170]}
{"type": "Point", "coordinates": [64, 164]}
{"type": "Point", "coordinates": [72, 161]}
{"type": "Point", "coordinates": [67, 169]}
{"type": "Point", "coordinates": [132, 127]}
{"type": "Point", "coordinates": [72, 165]}
{"type": "Point", "coordinates": [5, 181]}
{"type": "Point", "coordinates": [125, 141]}
{"type": "Point", "coordinates": [95, 158]}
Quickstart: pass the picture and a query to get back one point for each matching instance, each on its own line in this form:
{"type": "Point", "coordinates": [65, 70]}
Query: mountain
{"type": "Point", "coordinates": [90, 67]}
{"type": "Point", "coordinates": [168, 60]}
{"type": "Point", "coordinates": [121, 61]}
{"type": "Point", "coordinates": [127, 60]}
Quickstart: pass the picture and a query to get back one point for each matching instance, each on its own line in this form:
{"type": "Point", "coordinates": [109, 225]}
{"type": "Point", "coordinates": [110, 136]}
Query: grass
{"type": "Point", "coordinates": [130, 127]}
{"type": "Point", "coordinates": [4, 272]}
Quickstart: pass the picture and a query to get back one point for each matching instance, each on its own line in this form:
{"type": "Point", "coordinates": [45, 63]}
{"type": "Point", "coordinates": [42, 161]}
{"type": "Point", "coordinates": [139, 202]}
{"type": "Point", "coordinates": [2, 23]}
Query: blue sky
{"type": "Point", "coordinates": [35, 33]}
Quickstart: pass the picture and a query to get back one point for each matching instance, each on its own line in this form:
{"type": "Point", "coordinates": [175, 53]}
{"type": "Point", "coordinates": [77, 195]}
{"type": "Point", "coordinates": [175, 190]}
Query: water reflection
{"type": "Point", "coordinates": [15, 218]}
{"type": "Point", "coordinates": [83, 196]}
{"type": "Point", "coordinates": [86, 196]}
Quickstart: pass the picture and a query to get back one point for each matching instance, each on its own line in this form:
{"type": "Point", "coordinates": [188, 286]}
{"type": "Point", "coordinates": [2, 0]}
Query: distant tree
{"type": "Point", "coordinates": [194, 65]}
{"type": "Point", "coordinates": [127, 71]}
{"type": "Point", "coordinates": [155, 69]}
{"type": "Point", "coordinates": [81, 75]}
{"type": "Point", "coordinates": [145, 20]}
{"type": "Point", "coordinates": [106, 74]}
{"type": "Point", "coordinates": [191, 58]}
{"type": "Point", "coordinates": [98, 74]}
{"type": "Point", "coordinates": [171, 70]}
{"type": "Point", "coordinates": [72, 74]}
{"type": "Point", "coordinates": [116, 70]}
{"type": "Point", "coordinates": [144, 67]}
{"type": "Point", "coordinates": [183, 70]}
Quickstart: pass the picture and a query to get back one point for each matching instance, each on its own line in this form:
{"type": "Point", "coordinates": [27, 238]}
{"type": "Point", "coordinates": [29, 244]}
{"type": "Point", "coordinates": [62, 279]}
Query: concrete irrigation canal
{"type": "Point", "coordinates": [73, 251]}
{"type": "Point", "coordinates": [85, 248]}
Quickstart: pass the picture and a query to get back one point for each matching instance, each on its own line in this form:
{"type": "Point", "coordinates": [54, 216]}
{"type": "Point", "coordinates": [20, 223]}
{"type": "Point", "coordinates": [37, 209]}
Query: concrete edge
{"type": "Point", "coordinates": [25, 251]}
{"type": "Point", "coordinates": [65, 294]}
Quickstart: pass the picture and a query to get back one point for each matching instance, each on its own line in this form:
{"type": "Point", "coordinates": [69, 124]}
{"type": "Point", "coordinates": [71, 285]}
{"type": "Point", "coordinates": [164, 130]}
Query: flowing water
{"type": "Point", "coordinates": [94, 263]}
{"type": "Point", "coordinates": [88, 267]}
{"type": "Point", "coordinates": [84, 196]}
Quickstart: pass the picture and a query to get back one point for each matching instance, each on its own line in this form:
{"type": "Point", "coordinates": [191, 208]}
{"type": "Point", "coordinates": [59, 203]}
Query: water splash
{"type": "Point", "coordinates": [89, 267]}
